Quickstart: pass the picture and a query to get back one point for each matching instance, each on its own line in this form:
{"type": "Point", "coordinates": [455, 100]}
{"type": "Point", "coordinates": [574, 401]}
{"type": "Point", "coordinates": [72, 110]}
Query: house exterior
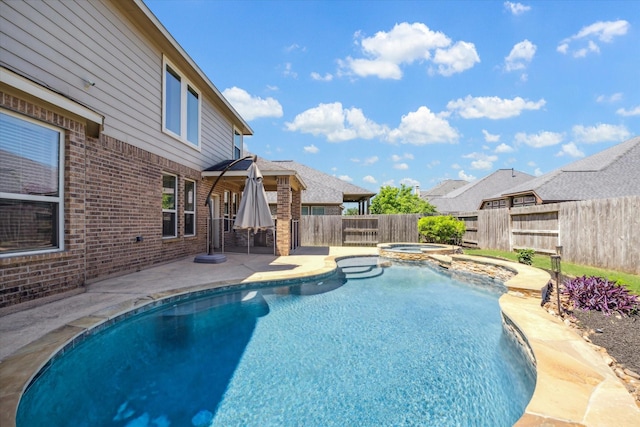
{"type": "Point", "coordinates": [324, 194]}
{"type": "Point", "coordinates": [614, 172]}
{"type": "Point", "coordinates": [106, 127]}
{"type": "Point", "coordinates": [470, 196]}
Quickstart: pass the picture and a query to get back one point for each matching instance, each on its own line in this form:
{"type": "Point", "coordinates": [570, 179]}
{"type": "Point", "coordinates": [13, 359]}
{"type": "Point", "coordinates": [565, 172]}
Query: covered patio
{"type": "Point", "coordinates": [285, 183]}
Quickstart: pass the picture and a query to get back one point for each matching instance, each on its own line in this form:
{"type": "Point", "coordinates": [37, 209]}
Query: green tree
{"type": "Point", "coordinates": [394, 200]}
{"type": "Point", "coordinates": [351, 211]}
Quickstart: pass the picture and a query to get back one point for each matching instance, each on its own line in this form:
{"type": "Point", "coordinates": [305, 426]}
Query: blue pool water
{"type": "Point", "coordinates": [403, 345]}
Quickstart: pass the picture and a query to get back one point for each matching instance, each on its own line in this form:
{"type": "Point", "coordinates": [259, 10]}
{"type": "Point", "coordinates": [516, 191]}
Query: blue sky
{"type": "Point", "coordinates": [415, 92]}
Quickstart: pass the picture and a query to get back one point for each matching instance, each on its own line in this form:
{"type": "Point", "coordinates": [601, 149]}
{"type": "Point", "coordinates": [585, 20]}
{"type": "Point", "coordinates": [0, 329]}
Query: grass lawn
{"type": "Point", "coordinates": [631, 281]}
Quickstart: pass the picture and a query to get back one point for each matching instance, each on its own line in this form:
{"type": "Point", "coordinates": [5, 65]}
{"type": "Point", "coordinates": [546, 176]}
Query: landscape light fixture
{"type": "Point", "coordinates": [559, 250]}
{"type": "Point", "coordinates": [556, 268]}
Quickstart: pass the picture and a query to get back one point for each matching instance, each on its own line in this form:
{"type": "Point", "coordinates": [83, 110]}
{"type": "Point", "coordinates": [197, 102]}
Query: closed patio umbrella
{"type": "Point", "coordinates": [253, 212]}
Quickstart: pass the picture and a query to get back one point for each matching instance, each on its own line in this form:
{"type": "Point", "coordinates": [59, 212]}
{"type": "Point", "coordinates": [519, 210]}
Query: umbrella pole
{"type": "Point", "coordinates": [247, 241]}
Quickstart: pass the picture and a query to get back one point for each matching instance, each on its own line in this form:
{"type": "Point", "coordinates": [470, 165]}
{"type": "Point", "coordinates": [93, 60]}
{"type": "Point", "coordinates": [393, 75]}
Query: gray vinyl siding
{"type": "Point", "coordinates": [61, 43]}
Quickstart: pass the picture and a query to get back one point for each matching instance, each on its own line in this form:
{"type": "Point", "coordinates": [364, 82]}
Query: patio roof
{"type": "Point", "coordinates": [270, 171]}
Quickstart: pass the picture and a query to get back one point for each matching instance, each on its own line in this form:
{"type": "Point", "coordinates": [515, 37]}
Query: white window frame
{"type": "Point", "coordinates": [314, 210]}
{"type": "Point", "coordinates": [190, 212]}
{"type": "Point", "coordinates": [234, 146]}
{"type": "Point", "coordinates": [185, 85]}
{"type": "Point", "coordinates": [175, 206]}
{"type": "Point", "coordinates": [59, 199]}
{"type": "Point", "coordinates": [226, 211]}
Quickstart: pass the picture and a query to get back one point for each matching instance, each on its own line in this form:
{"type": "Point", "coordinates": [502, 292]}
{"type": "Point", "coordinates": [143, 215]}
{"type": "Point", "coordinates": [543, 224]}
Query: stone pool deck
{"type": "Point", "coordinates": [574, 386]}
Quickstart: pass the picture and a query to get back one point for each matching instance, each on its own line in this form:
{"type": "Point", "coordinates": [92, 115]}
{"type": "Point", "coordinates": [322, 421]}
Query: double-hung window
{"type": "Point", "coordinates": [169, 206]}
{"type": "Point", "coordinates": [189, 208]}
{"type": "Point", "coordinates": [237, 144]}
{"type": "Point", "coordinates": [31, 186]}
{"type": "Point", "coordinates": [181, 109]}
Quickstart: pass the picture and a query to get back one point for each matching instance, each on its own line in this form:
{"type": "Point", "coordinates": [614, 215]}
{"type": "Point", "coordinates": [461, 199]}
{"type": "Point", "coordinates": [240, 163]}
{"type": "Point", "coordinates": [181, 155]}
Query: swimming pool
{"type": "Point", "coordinates": [367, 346]}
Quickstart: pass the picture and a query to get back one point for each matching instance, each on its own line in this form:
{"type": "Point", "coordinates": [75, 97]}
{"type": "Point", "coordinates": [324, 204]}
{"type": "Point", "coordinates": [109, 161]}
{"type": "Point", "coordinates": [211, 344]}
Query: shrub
{"type": "Point", "coordinates": [441, 229]}
{"type": "Point", "coordinates": [598, 293]}
{"type": "Point", "coordinates": [525, 256]}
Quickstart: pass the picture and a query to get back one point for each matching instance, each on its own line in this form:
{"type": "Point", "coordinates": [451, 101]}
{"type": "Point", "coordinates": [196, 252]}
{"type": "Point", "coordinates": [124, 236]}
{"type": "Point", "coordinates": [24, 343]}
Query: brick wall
{"type": "Point", "coordinates": [27, 277]}
{"type": "Point", "coordinates": [112, 195]}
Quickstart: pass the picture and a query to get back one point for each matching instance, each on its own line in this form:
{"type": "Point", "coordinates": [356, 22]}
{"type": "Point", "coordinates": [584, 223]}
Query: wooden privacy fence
{"type": "Point", "coordinates": [357, 230]}
{"type": "Point", "coordinates": [603, 233]}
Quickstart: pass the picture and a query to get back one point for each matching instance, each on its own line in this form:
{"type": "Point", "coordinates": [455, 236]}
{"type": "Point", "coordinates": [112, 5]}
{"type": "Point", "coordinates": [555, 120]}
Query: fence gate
{"type": "Point", "coordinates": [359, 231]}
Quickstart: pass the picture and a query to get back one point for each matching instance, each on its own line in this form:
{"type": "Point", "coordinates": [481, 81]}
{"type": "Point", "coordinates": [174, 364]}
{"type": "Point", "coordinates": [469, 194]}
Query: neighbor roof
{"type": "Point", "coordinates": [470, 196]}
{"type": "Point", "coordinates": [614, 172]}
{"type": "Point", "coordinates": [321, 187]}
{"type": "Point", "coordinates": [443, 188]}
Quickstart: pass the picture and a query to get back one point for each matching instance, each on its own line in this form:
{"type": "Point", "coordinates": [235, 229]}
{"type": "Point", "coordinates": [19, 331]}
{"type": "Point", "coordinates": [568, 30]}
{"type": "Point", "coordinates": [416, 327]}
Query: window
{"type": "Point", "coordinates": [317, 210]}
{"type": "Point", "coordinates": [181, 107]}
{"type": "Point", "coordinates": [31, 186]}
{"type": "Point", "coordinates": [305, 210]}
{"type": "Point", "coordinates": [189, 208]}
{"type": "Point", "coordinates": [234, 205]}
{"type": "Point", "coordinates": [237, 144]}
{"type": "Point", "coordinates": [169, 209]}
{"type": "Point", "coordinates": [225, 211]}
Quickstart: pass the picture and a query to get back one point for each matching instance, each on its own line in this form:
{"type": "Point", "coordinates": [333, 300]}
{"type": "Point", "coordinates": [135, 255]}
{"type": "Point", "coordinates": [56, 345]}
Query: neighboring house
{"type": "Point", "coordinates": [614, 172]}
{"type": "Point", "coordinates": [443, 188]}
{"type": "Point", "coordinates": [106, 127]}
{"type": "Point", "coordinates": [470, 196]}
{"type": "Point", "coordinates": [325, 194]}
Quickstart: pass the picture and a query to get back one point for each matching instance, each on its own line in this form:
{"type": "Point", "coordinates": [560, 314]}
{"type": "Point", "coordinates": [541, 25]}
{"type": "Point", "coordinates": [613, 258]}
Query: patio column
{"type": "Point", "coordinates": [283, 216]}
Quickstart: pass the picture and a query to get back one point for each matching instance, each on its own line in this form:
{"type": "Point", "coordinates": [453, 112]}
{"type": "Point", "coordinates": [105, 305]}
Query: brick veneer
{"type": "Point", "coordinates": [112, 195]}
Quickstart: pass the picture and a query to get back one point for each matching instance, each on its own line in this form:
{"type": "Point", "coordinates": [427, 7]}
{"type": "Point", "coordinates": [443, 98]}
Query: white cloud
{"type": "Point", "coordinates": [345, 178]}
{"type": "Point", "coordinates": [251, 107]}
{"type": "Point", "coordinates": [326, 78]}
{"type": "Point", "coordinates": [603, 31]}
{"type": "Point", "coordinates": [288, 71]}
{"type": "Point", "coordinates": [335, 123]}
{"type": "Point", "coordinates": [406, 43]}
{"type": "Point", "coordinates": [370, 160]}
{"type": "Point", "coordinates": [626, 113]}
{"type": "Point", "coordinates": [456, 59]}
{"type": "Point", "coordinates": [369, 179]}
{"type": "Point", "coordinates": [409, 182]}
{"type": "Point", "coordinates": [611, 98]}
{"type": "Point", "coordinates": [423, 127]}
{"type": "Point", "coordinates": [294, 47]}
{"type": "Point", "coordinates": [521, 54]}
{"type": "Point", "coordinates": [600, 133]}
{"type": "Point", "coordinates": [489, 137]}
{"type": "Point", "coordinates": [570, 149]}
{"type": "Point", "coordinates": [516, 8]}
{"type": "Point", "coordinates": [311, 149]}
{"type": "Point", "coordinates": [492, 107]}
{"type": "Point", "coordinates": [397, 158]}
{"type": "Point", "coordinates": [466, 177]}
{"type": "Point", "coordinates": [455, 166]}
{"type": "Point", "coordinates": [504, 148]}
{"type": "Point", "coordinates": [481, 161]}
{"type": "Point", "coordinates": [538, 172]}
{"type": "Point", "coordinates": [539, 140]}
{"type": "Point", "coordinates": [531, 163]}
{"type": "Point", "coordinates": [401, 166]}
